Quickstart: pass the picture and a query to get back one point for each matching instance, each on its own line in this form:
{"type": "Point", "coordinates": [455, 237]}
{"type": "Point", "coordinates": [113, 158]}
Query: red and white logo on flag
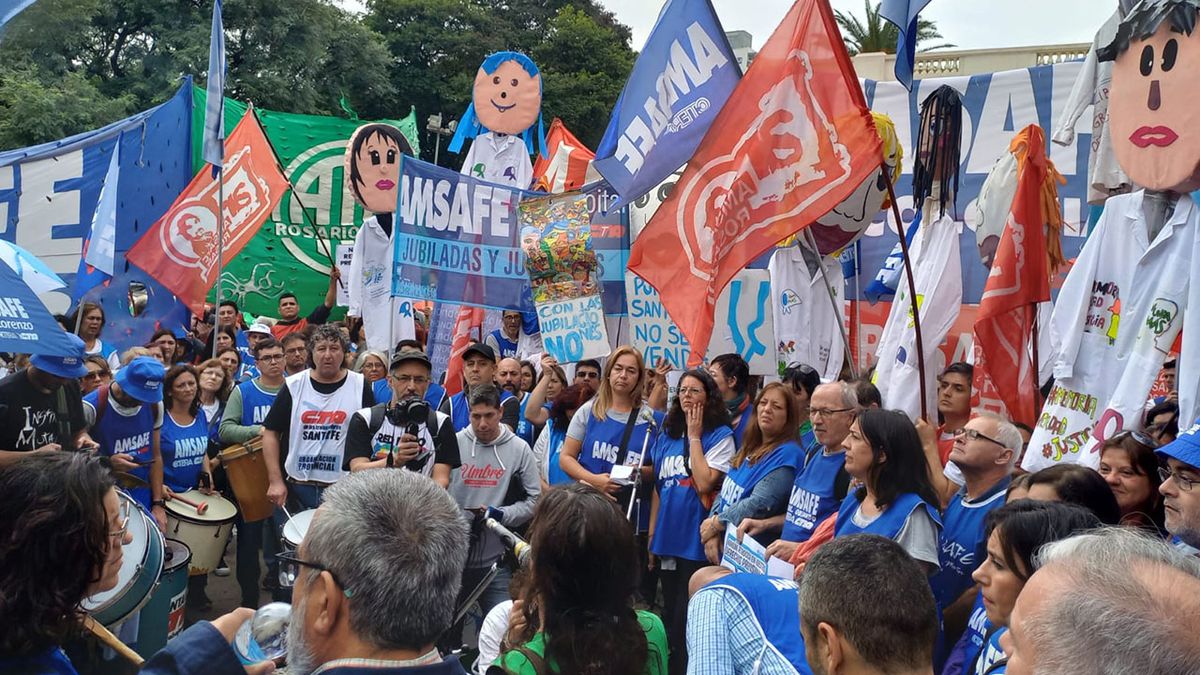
{"type": "Point", "coordinates": [567, 164]}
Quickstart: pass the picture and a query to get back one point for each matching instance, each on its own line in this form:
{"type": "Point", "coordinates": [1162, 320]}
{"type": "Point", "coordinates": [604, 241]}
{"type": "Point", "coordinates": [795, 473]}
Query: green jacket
{"type": "Point", "coordinates": [515, 663]}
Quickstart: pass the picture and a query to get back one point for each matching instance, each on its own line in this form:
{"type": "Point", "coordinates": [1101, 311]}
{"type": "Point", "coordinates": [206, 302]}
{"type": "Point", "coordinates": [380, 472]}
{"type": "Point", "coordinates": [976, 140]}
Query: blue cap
{"type": "Point", "coordinates": [142, 379]}
{"type": "Point", "coordinates": [63, 366]}
{"type": "Point", "coordinates": [1185, 447]}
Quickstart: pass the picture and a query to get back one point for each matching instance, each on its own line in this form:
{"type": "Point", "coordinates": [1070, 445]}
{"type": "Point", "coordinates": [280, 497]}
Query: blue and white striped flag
{"type": "Point", "coordinates": [214, 109]}
{"type": "Point", "coordinates": [903, 13]}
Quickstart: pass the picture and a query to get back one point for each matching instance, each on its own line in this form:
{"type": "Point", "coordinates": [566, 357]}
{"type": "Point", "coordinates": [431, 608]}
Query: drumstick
{"type": "Point", "coordinates": [200, 508]}
{"type": "Point", "coordinates": [111, 641]}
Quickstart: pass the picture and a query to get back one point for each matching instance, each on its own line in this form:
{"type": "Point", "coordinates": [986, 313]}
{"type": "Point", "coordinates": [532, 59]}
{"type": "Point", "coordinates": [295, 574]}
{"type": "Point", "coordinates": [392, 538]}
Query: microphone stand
{"type": "Point", "coordinates": [637, 472]}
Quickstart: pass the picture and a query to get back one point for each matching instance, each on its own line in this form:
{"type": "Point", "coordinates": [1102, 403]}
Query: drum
{"type": "Point", "coordinates": [141, 566]}
{"type": "Point", "coordinates": [206, 535]}
{"type": "Point", "coordinates": [293, 535]}
{"type": "Point", "coordinates": [162, 617]}
{"type": "Point", "coordinates": [247, 472]}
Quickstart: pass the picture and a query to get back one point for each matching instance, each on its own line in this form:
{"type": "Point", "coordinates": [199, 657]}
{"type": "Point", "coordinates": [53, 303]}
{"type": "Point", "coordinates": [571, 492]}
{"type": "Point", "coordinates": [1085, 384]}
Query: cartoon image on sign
{"type": "Point", "coordinates": [507, 99]}
{"type": "Point", "coordinates": [741, 196]}
{"type": "Point", "coordinates": [373, 165]}
{"type": "Point", "coordinates": [1154, 122]}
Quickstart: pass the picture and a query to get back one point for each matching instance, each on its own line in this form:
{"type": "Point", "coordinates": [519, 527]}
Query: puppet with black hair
{"type": "Point", "coordinates": [372, 175]}
{"type": "Point", "coordinates": [505, 119]}
{"type": "Point", "coordinates": [1135, 286]}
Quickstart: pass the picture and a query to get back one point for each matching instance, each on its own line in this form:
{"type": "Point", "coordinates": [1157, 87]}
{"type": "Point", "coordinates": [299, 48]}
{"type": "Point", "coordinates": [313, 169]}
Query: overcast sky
{"type": "Point", "coordinates": [969, 24]}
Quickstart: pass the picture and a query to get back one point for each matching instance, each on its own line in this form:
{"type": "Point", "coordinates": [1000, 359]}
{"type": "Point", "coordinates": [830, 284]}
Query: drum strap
{"type": "Point", "coordinates": [101, 404]}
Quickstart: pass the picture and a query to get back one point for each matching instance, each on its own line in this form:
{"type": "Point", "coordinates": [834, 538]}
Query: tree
{"type": "Point", "coordinates": [876, 34]}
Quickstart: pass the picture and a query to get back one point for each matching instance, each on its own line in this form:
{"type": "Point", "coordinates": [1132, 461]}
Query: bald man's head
{"type": "Point", "coordinates": [508, 375]}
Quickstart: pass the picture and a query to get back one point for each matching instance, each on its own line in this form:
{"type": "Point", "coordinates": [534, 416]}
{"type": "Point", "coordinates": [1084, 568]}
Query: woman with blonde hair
{"type": "Point", "coordinates": [760, 482]}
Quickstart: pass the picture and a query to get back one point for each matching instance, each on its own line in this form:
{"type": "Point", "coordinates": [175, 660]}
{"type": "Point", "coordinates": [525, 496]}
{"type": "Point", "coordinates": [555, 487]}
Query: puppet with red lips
{"type": "Point", "coordinates": [505, 119]}
{"type": "Point", "coordinates": [1154, 120]}
{"type": "Point", "coordinates": [372, 174]}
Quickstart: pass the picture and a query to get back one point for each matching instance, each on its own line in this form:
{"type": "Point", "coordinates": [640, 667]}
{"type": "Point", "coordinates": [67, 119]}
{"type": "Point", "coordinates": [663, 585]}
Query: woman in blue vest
{"type": "Point", "coordinates": [549, 443]}
{"type": "Point", "coordinates": [691, 457]}
{"type": "Point", "coordinates": [1015, 532]}
{"type": "Point", "coordinates": [732, 375]}
{"type": "Point", "coordinates": [895, 498]}
{"type": "Point", "coordinates": [760, 480]}
{"type": "Point", "coordinates": [185, 434]}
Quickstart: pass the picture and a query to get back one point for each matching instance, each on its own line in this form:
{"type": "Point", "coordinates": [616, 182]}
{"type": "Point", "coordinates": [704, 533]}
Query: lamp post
{"type": "Point", "coordinates": [434, 125]}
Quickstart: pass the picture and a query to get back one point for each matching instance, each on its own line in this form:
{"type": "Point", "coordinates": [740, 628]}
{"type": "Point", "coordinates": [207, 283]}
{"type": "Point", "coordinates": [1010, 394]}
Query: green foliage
{"type": "Point", "coordinates": [72, 65]}
{"type": "Point", "coordinates": [874, 34]}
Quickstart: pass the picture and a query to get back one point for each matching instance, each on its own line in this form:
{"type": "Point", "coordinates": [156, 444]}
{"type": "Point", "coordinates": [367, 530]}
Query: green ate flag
{"type": "Point", "coordinates": [286, 254]}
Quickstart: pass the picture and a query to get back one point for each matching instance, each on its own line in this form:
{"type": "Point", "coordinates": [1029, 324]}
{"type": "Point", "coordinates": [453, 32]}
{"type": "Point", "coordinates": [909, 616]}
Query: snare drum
{"type": "Point", "coordinates": [162, 617]}
{"type": "Point", "coordinates": [206, 535]}
{"type": "Point", "coordinates": [247, 471]}
{"type": "Point", "coordinates": [141, 566]}
{"type": "Point", "coordinates": [293, 535]}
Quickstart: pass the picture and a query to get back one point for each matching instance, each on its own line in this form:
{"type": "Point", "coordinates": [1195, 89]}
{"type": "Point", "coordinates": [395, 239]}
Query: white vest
{"type": "Point", "coordinates": [317, 437]}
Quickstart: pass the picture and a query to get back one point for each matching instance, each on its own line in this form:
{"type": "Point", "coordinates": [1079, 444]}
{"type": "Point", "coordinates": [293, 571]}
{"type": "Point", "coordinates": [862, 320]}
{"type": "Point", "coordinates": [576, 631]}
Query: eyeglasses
{"type": "Point", "coordinates": [1140, 437]}
{"type": "Point", "coordinates": [973, 435]}
{"type": "Point", "coordinates": [587, 375]}
{"type": "Point", "coordinates": [1182, 481]}
{"type": "Point", "coordinates": [796, 369]}
{"type": "Point", "coordinates": [95, 375]}
{"type": "Point", "coordinates": [270, 358]}
{"type": "Point", "coordinates": [123, 514]}
{"type": "Point", "coordinates": [411, 379]}
{"type": "Point", "coordinates": [826, 412]}
{"type": "Point", "coordinates": [289, 569]}
{"type": "Point", "coordinates": [690, 391]}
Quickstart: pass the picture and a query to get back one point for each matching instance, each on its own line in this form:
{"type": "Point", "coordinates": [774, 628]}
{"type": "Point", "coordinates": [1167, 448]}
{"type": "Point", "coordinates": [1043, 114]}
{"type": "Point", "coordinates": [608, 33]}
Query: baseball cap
{"type": "Point", "coordinates": [261, 328]}
{"type": "Point", "coordinates": [142, 379]}
{"type": "Point", "coordinates": [481, 349]}
{"type": "Point", "coordinates": [405, 355]}
{"type": "Point", "coordinates": [63, 366]}
{"type": "Point", "coordinates": [1185, 447]}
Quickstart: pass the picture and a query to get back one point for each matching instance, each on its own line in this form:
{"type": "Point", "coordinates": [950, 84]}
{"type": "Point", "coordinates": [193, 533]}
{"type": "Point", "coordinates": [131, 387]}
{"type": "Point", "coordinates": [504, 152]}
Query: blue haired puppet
{"type": "Point", "coordinates": [505, 114]}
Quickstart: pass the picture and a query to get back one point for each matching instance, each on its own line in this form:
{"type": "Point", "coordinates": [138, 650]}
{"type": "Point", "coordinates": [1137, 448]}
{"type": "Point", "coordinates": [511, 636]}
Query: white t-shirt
{"type": "Point", "coordinates": [491, 633]}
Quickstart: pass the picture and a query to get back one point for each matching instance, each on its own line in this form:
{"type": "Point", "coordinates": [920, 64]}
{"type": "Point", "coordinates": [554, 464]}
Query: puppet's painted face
{"type": "Point", "coordinates": [1153, 114]}
{"type": "Point", "coordinates": [508, 100]}
{"type": "Point", "coordinates": [378, 163]}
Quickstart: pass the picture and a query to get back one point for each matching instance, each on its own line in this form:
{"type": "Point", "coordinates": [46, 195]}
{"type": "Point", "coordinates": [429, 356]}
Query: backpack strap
{"type": "Point", "coordinates": [101, 404]}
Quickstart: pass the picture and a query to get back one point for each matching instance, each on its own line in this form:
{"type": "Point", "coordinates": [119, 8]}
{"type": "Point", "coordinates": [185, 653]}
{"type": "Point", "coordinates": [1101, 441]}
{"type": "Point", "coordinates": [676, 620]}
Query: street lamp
{"type": "Point", "coordinates": [434, 125]}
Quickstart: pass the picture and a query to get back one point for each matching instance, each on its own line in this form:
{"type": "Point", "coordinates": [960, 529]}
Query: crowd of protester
{"type": "Point", "coordinates": [911, 548]}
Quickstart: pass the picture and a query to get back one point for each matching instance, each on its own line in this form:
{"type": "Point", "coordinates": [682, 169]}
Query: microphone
{"type": "Point", "coordinates": [518, 545]}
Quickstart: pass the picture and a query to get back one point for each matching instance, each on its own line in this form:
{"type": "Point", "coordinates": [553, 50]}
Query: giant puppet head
{"type": "Point", "coordinates": [373, 165]}
{"type": "Point", "coordinates": [507, 99]}
{"type": "Point", "coordinates": [1153, 118]}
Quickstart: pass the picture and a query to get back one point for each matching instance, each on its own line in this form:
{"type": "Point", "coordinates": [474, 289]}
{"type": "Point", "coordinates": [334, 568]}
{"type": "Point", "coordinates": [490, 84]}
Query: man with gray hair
{"type": "Point", "coordinates": [984, 453]}
{"type": "Point", "coordinates": [865, 607]}
{"type": "Point", "coordinates": [822, 482]}
{"type": "Point", "coordinates": [376, 578]}
{"type": "Point", "coordinates": [1110, 602]}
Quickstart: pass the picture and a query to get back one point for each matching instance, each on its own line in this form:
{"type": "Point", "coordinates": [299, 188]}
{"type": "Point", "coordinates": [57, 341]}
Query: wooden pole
{"type": "Point", "coordinates": [912, 291]}
{"type": "Point", "coordinates": [109, 640]}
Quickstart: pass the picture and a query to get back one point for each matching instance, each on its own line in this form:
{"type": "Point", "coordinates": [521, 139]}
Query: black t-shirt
{"type": "Point", "coordinates": [29, 418]}
{"type": "Point", "coordinates": [362, 441]}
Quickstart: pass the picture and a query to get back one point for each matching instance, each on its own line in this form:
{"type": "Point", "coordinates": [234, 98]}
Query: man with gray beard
{"type": "Point", "coordinates": [376, 578]}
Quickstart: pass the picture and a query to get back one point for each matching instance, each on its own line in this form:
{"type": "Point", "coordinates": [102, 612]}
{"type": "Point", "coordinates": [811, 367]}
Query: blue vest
{"type": "Point", "coordinates": [776, 607]}
{"type": "Point", "coordinates": [554, 473]}
{"type": "Point", "coordinates": [972, 640]}
{"type": "Point", "coordinates": [118, 434]}
{"type": "Point", "coordinates": [381, 391]}
{"type": "Point", "coordinates": [249, 367]}
{"type": "Point", "coordinates": [50, 662]}
{"type": "Point", "coordinates": [961, 548]}
{"type": "Point", "coordinates": [742, 479]}
{"type": "Point", "coordinates": [602, 443]}
{"type": "Point", "coordinates": [183, 450]}
{"type": "Point", "coordinates": [889, 523]}
{"type": "Point", "coordinates": [525, 428]}
{"type": "Point", "coordinates": [460, 412]}
{"type": "Point", "coordinates": [256, 403]}
{"type": "Point", "coordinates": [991, 654]}
{"type": "Point", "coordinates": [508, 348]}
{"type": "Point", "coordinates": [812, 499]}
{"type": "Point", "coordinates": [433, 395]}
{"type": "Point", "coordinates": [677, 530]}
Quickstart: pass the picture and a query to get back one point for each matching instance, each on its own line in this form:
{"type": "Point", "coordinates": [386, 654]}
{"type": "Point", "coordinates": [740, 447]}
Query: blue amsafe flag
{"type": "Point", "coordinates": [680, 82]}
{"type": "Point", "coordinates": [903, 13]}
{"type": "Point", "coordinates": [26, 326]}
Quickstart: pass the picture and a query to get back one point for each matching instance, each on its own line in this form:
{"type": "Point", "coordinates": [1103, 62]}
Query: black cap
{"type": "Point", "coordinates": [481, 349]}
{"type": "Point", "coordinates": [405, 355]}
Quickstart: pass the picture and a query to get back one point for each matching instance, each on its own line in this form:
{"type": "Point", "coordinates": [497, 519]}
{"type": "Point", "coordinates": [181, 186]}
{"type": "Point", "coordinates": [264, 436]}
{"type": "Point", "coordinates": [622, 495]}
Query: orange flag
{"type": "Point", "coordinates": [794, 140]}
{"type": "Point", "coordinates": [567, 164]}
{"type": "Point", "coordinates": [468, 319]}
{"type": "Point", "coordinates": [181, 249]}
{"type": "Point", "coordinates": [1018, 281]}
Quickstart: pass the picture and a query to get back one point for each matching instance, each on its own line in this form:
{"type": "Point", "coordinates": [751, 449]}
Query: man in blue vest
{"type": "Point", "coordinates": [124, 419]}
{"type": "Point", "coordinates": [505, 340]}
{"type": "Point", "coordinates": [984, 453]}
{"type": "Point", "coordinates": [745, 623]}
{"type": "Point", "coordinates": [866, 607]}
{"type": "Point", "coordinates": [479, 368]}
{"type": "Point", "coordinates": [248, 405]}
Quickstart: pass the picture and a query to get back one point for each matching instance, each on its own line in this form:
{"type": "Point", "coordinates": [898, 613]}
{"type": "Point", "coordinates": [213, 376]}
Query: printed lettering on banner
{"type": "Point", "coordinates": [344, 256]}
{"type": "Point", "coordinates": [574, 330]}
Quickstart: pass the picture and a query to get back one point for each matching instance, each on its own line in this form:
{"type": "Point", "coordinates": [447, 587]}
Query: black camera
{"type": "Point", "coordinates": [410, 413]}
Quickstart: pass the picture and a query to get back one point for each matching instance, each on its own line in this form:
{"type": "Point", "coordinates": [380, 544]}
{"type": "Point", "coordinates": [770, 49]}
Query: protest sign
{"type": "Point", "coordinates": [744, 324]}
{"type": "Point", "coordinates": [344, 255]}
{"type": "Point", "coordinates": [574, 330]}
